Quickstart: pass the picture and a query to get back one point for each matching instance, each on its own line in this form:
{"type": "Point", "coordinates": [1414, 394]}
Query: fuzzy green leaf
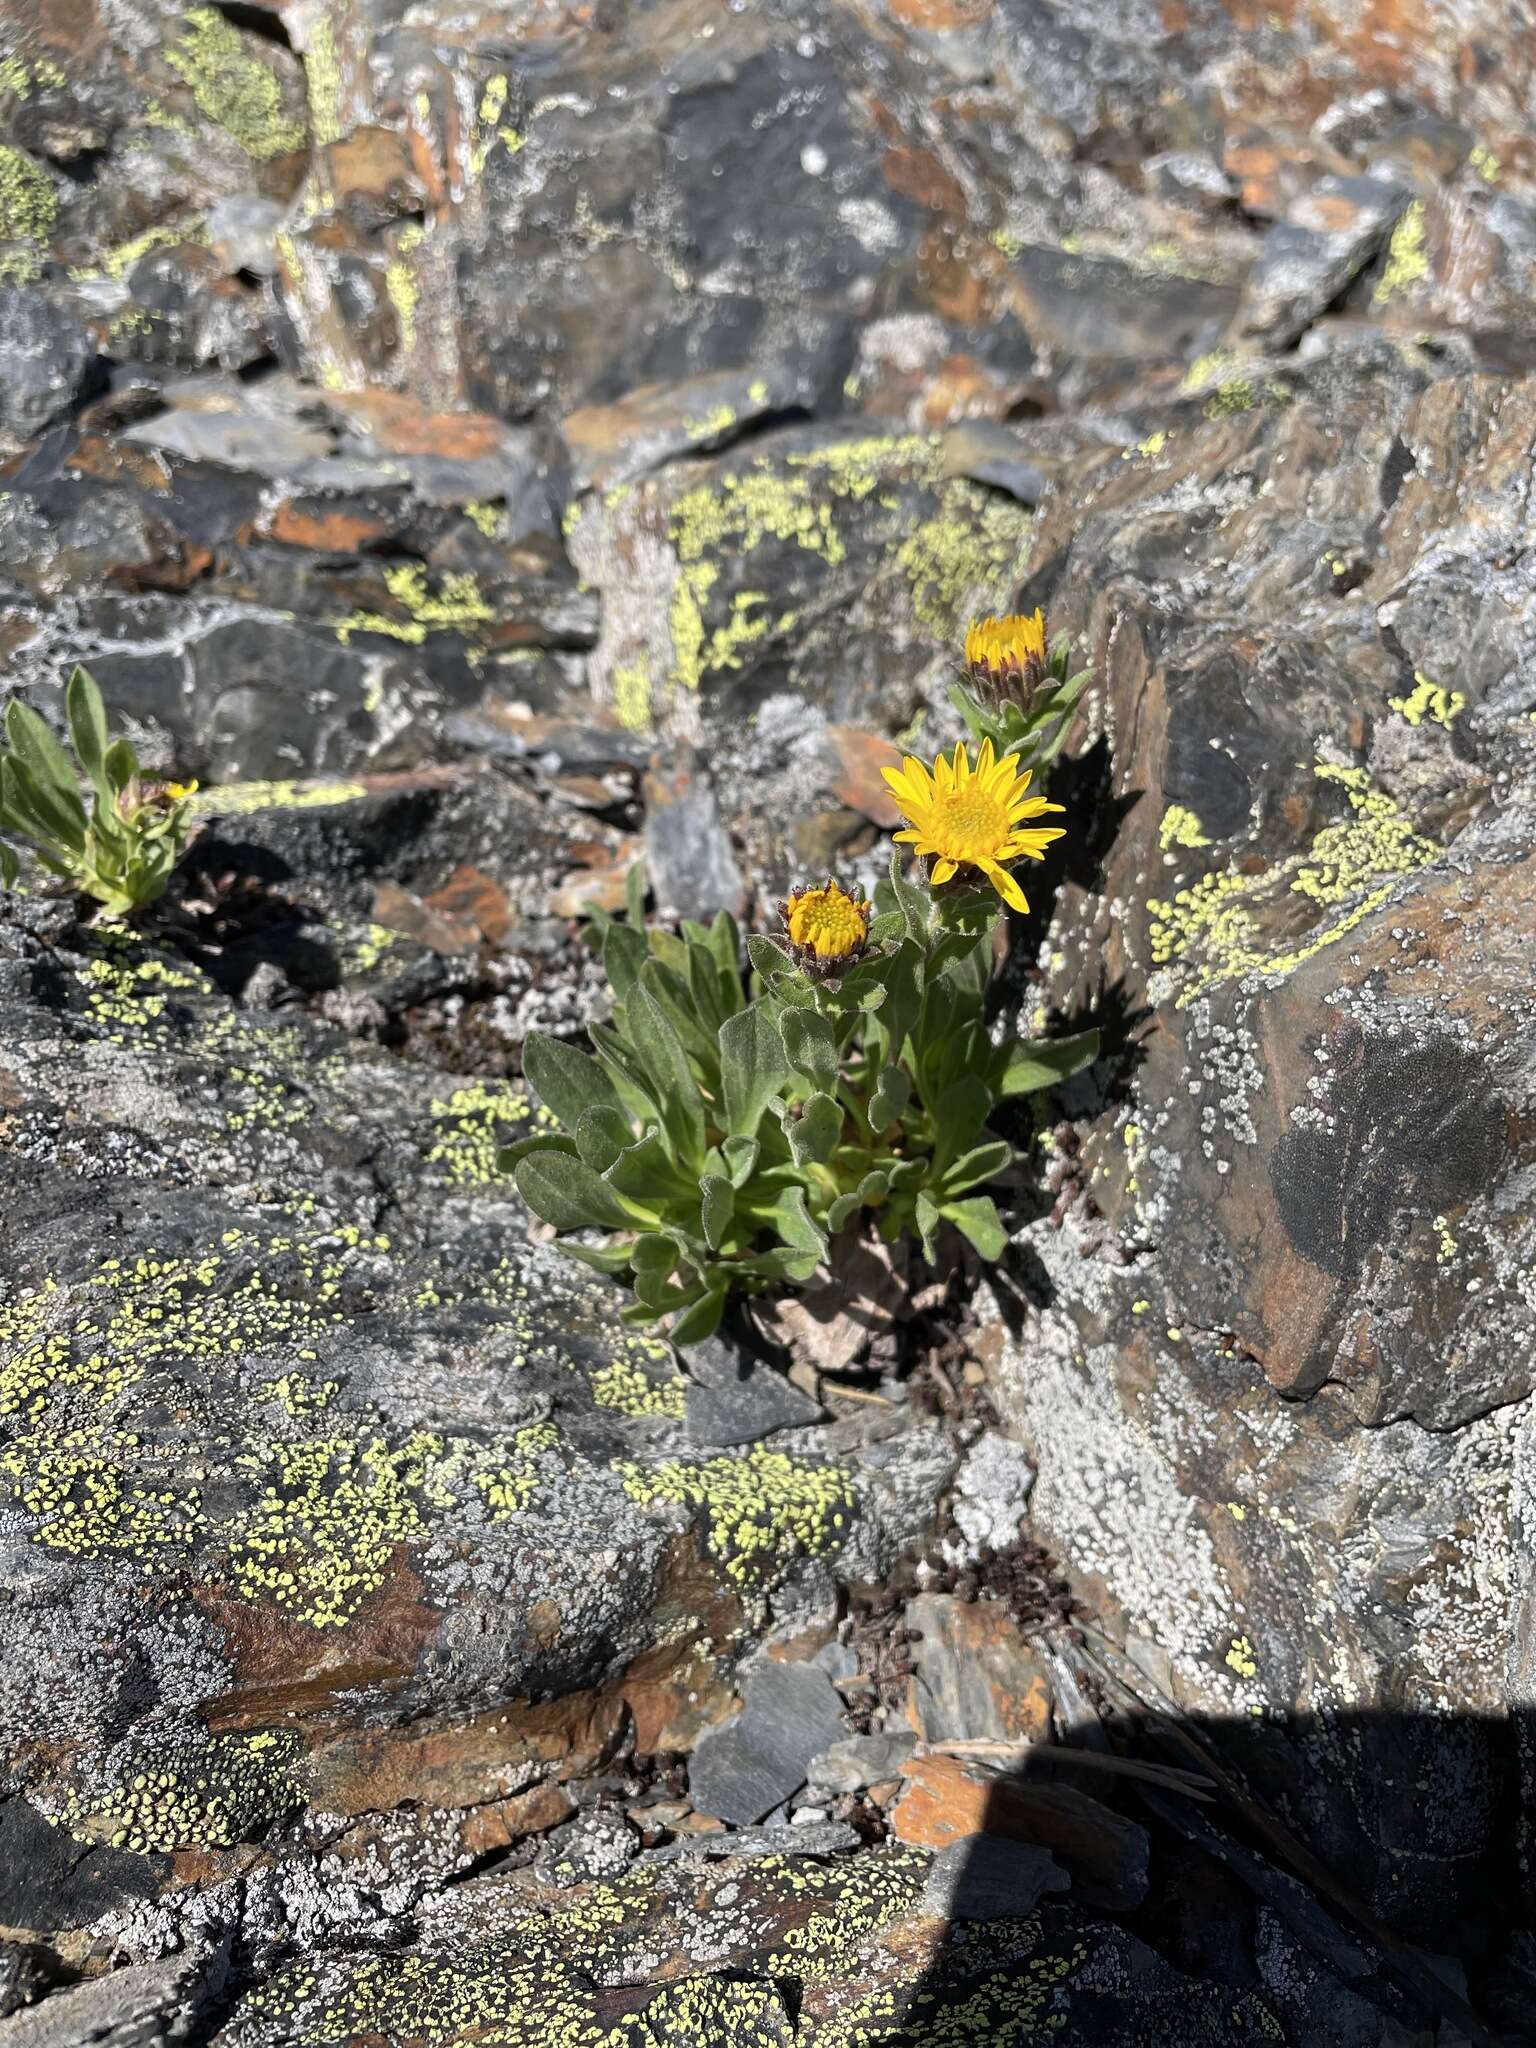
{"type": "Point", "coordinates": [661, 1053]}
{"type": "Point", "coordinates": [87, 724]}
{"type": "Point", "coordinates": [602, 1258]}
{"type": "Point", "coordinates": [120, 765]}
{"type": "Point", "coordinates": [717, 1206]}
{"type": "Point", "coordinates": [796, 1225]}
{"type": "Point", "coordinates": [888, 1101]}
{"type": "Point", "coordinates": [566, 1080]}
{"type": "Point", "coordinates": [977, 1218]}
{"type": "Point", "coordinates": [567, 1193]}
{"type": "Point", "coordinates": [54, 817]}
{"type": "Point", "coordinates": [926, 1215]}
{"type": "Point", "coordinates": [767, 955]}
{"type": "Point", "coordinates": [913, 901]}
{"type": "Point", "coordinates": [39, 752]}
{"type": "Point", "coordinates": [753, 1067]}
{"type": "Point", "coordinates": [602, 1133]}
{"type": "Point", "coordinates": [1045, 1062]}
{"type": "Point", "coordinates": [741, 1157]}
{"type": "Point", "coordinates": [982, 1163]}
{"type": "Point", "coordinates": [634, 895]}
{"type": "Point", "coordinates": [963, 1108]}
{"type": "Point", "coordinates": [545, 1141]}
{"type": "Point", "coordinates": [10, 866]}
{"type": "Point", "coordinates": [811, 1046]}
{"type": "Point", "coordinates": [624, 954]}
{"type": "Point", "coordinates": [701, 1318]}
{"type": "Point", "coordinates": [813, 1135]}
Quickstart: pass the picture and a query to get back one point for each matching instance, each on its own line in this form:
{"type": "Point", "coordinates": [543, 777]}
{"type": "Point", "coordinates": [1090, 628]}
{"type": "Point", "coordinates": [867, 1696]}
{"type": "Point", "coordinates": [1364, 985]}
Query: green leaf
{"type": "Point", "coordinates": [566, 1080]}
{"type": "Point", "coordinates": [10, 866]}
{"type": "Point", "coordinates": [1045, 1062]}
{"type": "Point", "coordinates": [753, 1067]}
{"type": "Point", "coordinates": [38, 751]}
{"type": "Point", "coordinates": [120, 765]}
{"type": "Point", "coordinates": [717, 1207]}
{"type": "Point", "coordinates": [624, 954]}
{"type": "Point", "coordinates": [87, 724]}
{"type": "Point", "coordinates": [654, 1252]}
{"type": "Point", "coordinates": [630, 1082]}
{"type": "Point", "coordinates": [678, 1101]}
{"type": "Point", "coordinates": [603, 1258]}
{"type": "Point", "coordinates": [546, 1141]}
{"type": "Point", "coordinates": [811, 1046]}
{"type": "Point", "coordinates": [983, 1163]}
{"type": "Point", "coordinates": [602, 1133]}
{"type": "Point", "coordinates": [888, 1101]}
{"type": "Point", "coordinates": [648, 1173]}
{"type": "Point", "coordinates": [675, 996]}
{"type": "Point", "coordinates": [707, 993]}
{"type": "Point", "coordinates": [54, 817]}
{"type": "Point", "coordinates": [782, 1263]}
{"type": "Point", "coordinates": [567, 1193]}
{"type": "Point", "coordinates": [914, 903]}
{"type": "Point", "coordinates": [927, 1218]}
{"type": "Point", "coordinates": [767, 955]}
{"type": "Point", "coordinates": [963, 1108]}
{"type": "Point", "coordinates": [977, 1219]}
{"type": "Point", "coordinates": [701, 1319]}
{"type": "Point", "coordinates": [741, 1157]}
{"type": "Point", "coordinates": [795, 1223]}
{"type": "Point", "coordinates": [634, 895]}
{"type": "Point", "coordinates": [813, 1135]}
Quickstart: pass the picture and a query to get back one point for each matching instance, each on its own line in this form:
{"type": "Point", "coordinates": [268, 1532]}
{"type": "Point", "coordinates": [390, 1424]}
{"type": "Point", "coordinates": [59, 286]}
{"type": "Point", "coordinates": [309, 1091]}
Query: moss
{"type": "Point", "coordinates": [1406, 262]}
{"type": "Point", "coordinates": [234, 88]}
{"type": "Point", "coordinates": [29, 207]}
{"type": "Point", "coordinates": [1429, 700]}
{"type": "Point", "coordinates": [207, 1795]}
{"type": "Point", "coordinates": [1209, 933]}
{"type": "Point", "coordinates": [763, 1511]}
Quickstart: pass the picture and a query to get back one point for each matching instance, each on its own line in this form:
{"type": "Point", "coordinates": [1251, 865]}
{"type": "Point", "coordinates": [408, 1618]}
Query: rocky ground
{"type": "Point", "coordinates": [490, 446]}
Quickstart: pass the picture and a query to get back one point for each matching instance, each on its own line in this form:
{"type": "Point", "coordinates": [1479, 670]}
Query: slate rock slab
{"type": "Point", "coordinates": [742, 1771]}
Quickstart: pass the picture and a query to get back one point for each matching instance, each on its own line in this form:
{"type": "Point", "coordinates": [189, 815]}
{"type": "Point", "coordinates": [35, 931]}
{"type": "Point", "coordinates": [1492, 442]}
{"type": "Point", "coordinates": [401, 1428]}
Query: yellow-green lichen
{"type": "Point", "coordinates": [126, 995]}
{"type": "Point", "coordinates": [1180, 827]}
{"type": "Point", "coordinates": [1209, 933]}
{"type": "Point", "coordinates": [965, 559]}
{"type": "Point", "coordinates": [763, 1510]}
{"type": "Point", "coordinates": [322, 82]}
{"type": "Point", "coordinates": [456, 604]}
{"type": "Point", "coordinates": [471, 1123]}
{"type": "Point", "coordinates": [624, 1383]}
{"type": "Point", "coordinates": [200, 1796]}
{"type": "Point", "coordinates": [232, 86]}
{"type": "Point", "coordinates": [18, 78]}
{"type": "Point", "coordinates": [236, 799]}
{"type": "Point", "coordinates": [1239, 1658]}
{"type": "Point", "coordinates": [486, 517]}
{"type": "Point", "coordinates": [632, 693]}
{"type": "Point", "coordinates": [29, 207]}
{"type": "Point", "coordinates": [1428, 700]}
{"type": "Point", "coordinates": [1407, 261]}
{"type": "Point", "coordinates": [718, 420]}
{"type": "Point", "coordinates": [511, 1483]}
{"type": "Point", "coordinates": [1486, 164]}
{"type": "Point", "coordinates": [364, 955]}
{"type": "Point", "coordinates": [116, 263]}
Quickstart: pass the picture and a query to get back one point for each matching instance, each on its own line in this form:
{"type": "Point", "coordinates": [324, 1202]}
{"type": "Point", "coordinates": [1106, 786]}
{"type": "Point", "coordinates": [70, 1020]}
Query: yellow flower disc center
{"type": "Point", "coordinates": [968, 824]}
{"type": "Point", "coordinates": [829, 922]}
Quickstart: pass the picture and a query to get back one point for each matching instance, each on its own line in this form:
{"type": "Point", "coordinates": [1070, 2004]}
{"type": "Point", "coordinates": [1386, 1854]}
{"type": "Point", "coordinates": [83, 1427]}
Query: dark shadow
{"type": "Point", "coordinates": [1145, 1877]}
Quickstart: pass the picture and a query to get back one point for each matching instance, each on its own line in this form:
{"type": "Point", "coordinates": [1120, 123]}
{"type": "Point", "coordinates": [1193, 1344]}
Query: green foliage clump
{"type": "Point", "coordinates": [121, 850]}
{"type": "Point", "coordinates": [719, 1137]}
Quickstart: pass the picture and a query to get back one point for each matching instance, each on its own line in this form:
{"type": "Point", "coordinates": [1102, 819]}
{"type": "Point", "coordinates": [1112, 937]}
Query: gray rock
{"type": "Point", "coordinates": [149, 2005]}
{"type": "Point", "coordinates": [818, 1838]}
{"type": "Point", "coordinates": [733, 1399]}
{"type": "Point", "coordinates": [984, 1877]}
{"type": "Point", "coordinates": [44, 357]}
{"type": "Point", "coordinates": [860, 1760]}
{"type": "Point", "coordinates": [688, 854]}
{"type": "Point", "coordinates": [742, 1771]}
{"type": "Point", "coordinates": [1329, 236]}
{"type": "Point", "coordinates": [597, 1844]}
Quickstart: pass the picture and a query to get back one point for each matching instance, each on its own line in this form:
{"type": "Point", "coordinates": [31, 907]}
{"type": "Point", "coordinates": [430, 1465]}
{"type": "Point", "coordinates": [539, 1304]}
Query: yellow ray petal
{"type": "Point", "coordinates": [1004, 884]}
{"type": "Point", "coordinates": [942, 870]}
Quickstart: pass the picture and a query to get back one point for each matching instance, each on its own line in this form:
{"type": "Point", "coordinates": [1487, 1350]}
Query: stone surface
{"type": "Point", "coordinates": [741, 1771]}
{"type": "Point", "coordinates": [860, 1760]}
{"type": "Point", "coordinates": [984, 1877]}
{"type": "Point", "coordinates": [973, 1675]}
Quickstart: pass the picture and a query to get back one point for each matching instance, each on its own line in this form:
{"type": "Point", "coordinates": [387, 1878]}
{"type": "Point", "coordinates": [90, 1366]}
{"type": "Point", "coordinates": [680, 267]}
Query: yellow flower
{"type": "Point", "coordinates": [965, 818]}
{"type": "Point", "coordinates": [999, 650]}
{"type": "Point", "coordinates": [827, 927]}
{"type": "Point", "coordinates": [178, 792]}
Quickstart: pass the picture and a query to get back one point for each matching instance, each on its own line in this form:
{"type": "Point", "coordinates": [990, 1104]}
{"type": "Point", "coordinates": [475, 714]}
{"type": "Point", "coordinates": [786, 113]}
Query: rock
{"type": "Point", "coordinates": [991, 1491]}
{"type": "Point", "coordinates": [148, 2005]}
{"type": "Point", "coordinates": [742, 1771]}
{"type": "Point", "coordinates": [1328, 236]}
{"type": "Point", "coordinates": [859, 1761]}
{"type": "Point", "coordinates": [45, 355]}
{"type": "Point", "coordinates": [688, 854]}
{"type": "Point", "coordinates": [734, 1399]}
{"type": "Point", "coordinates": [983, 1877]}
{"type": "Point", "coordinates": [974, 1677]}
{"type": "Point", "coordinates": [945, 1799]}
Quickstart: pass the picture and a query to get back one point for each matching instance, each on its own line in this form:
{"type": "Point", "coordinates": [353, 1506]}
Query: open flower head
{"type": "Point", "coordinates": [1007, 655]}
{"type": "Point", "coordinates": [977, 818]}
{"type": "Point", "coordinates": [827, 928]}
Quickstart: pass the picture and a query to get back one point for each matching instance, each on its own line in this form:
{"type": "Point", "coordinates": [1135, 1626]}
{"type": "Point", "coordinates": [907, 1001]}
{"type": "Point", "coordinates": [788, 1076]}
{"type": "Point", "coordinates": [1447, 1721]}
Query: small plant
{"type": "Point", "coordinates": [121, 850]}
{"type": "Point", "coordinates": [721, 1138]}
{"type": "Point", "coordinates": [1021, 697]}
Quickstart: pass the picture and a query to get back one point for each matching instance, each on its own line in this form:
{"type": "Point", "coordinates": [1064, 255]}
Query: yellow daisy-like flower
{"type": "Point", "coordinates": [997, 650]}
{"type": "Point", "coordinates": [827, 927]}
{"type": "Point", "coordinates": [178, 792]}
{"type": "Point", "coordinates": [973, 818]}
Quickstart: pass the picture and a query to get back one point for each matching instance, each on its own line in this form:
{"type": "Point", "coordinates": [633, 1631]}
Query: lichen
{"type": "Point", "coordinates": [632, 693]}
{"type": "Point", "coordinates": [763, 1510]}
{"type": "Point", "coordinates": [511, 1484]}
{"type": "Point", "coordinates": [1209, 933]}
{"type": "Point", "coordinates": [1407, 261]}
{"type": "Point", "coordinates": [207, 1794]}
{"type": "Point", "coordinates": [234, 88]}
{"type": "Point", "coordinates": [1180, 827]}
{"type": "Point", "coordinates": [471, 1122]}
{"type": "Point", "coordinates": [457, 603]}
{"type": "Point", "coordinates": [625, 1385]}
{"type": "Point", "coordinates": [322, 81]}
{"type": "Point", "coordinates": [237, 799]}
{"type": "Point", "coordinates": [29, 207]}
{"type": "Point", "coordinates": [1428, 700]}
{"type": "Point", "coordinates": [965, 558]}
